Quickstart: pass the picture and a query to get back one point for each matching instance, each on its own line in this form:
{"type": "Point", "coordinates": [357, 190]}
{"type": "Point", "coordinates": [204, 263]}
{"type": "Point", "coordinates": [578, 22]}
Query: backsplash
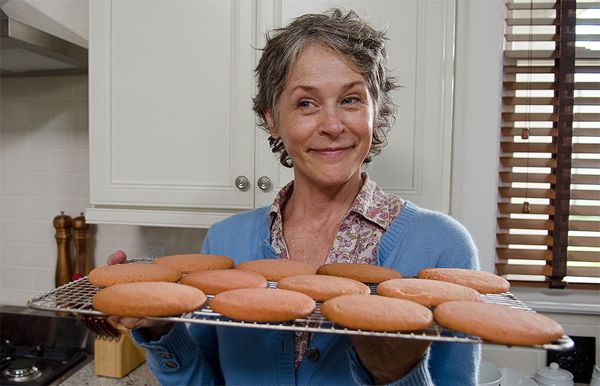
{"type": "Point", "coordinates": [43, 171]}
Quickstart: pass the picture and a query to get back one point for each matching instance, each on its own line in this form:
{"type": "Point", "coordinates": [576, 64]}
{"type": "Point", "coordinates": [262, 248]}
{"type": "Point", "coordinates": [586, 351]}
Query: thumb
{"type": "Point", "coordinates": [118, 257]}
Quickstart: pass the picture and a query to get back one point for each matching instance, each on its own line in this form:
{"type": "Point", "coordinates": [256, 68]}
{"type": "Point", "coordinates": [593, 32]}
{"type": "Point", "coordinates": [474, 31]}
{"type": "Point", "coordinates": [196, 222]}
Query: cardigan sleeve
{"type": "Point", "coordinates": [177, 358]}
{"type": "Point", "coordinates": [184, 355]}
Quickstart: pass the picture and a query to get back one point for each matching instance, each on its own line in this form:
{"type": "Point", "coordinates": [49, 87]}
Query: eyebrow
{"type": "Point", "coordinates": [313, 88]}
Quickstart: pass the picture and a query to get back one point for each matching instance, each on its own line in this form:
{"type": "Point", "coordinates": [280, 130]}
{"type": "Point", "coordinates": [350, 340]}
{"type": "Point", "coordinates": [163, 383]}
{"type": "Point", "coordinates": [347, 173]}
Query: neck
{"type": "Point", "coordinates": [309, 201]}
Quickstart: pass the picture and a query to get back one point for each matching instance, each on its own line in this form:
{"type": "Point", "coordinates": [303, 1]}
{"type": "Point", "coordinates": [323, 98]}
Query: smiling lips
{"type": "Point", "coordinates": [332, 150]}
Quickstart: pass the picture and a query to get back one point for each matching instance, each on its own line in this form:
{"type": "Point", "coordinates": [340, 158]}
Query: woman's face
{"type": "Point", "coordinates": [325, 117]}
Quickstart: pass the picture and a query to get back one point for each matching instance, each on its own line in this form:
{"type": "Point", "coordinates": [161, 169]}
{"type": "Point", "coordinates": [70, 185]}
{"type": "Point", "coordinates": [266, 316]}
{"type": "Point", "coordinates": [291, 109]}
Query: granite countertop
{"type": "Point", "coordinates": [86, 376]}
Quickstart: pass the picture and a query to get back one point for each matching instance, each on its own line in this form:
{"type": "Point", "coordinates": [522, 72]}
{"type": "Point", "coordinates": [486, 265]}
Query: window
{"type": "Point", "coordinates": [549, 193]}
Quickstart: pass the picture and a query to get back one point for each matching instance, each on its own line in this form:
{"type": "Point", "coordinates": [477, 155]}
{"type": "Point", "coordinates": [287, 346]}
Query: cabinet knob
{"type": "Point", "coordinates": [264, 183]}
{"type": "Point", "coordinates": [242, 182]}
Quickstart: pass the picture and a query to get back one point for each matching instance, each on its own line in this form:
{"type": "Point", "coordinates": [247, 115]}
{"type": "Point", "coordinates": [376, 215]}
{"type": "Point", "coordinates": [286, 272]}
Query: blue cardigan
{"type": "Point", "coordinates": [201, 354]}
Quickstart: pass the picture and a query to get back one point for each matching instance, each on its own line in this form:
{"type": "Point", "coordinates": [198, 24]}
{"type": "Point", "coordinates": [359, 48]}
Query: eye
{"type": "Point", "coordinates": [305, 104]}
{"type": "Point", "coordinates": [350, 100]}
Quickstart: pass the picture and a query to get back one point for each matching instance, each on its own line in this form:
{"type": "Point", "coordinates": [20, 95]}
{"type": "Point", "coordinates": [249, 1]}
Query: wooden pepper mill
{"type": "Point", "coordinates": [80, 238]}
{"type": "Point", "coordinates": [62, 224]}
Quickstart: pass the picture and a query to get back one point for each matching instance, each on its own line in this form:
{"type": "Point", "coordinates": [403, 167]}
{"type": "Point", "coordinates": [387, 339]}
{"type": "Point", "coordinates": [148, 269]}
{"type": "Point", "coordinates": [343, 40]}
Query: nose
{"type": "Point", "coordinates": [332, 124]}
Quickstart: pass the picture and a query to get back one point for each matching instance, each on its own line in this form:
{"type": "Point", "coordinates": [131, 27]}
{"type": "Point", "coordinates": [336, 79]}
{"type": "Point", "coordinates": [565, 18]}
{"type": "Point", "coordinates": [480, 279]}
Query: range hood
{"type": "Point", "coordinates": [26, 50]}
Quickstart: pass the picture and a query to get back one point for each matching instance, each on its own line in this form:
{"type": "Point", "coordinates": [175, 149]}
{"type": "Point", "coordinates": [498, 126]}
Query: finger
{"type": "Point", "coordinates": [119, 257]}
{"type": "Point", "coordinates": [116, 320]}
{"type": "Point", "coordinates": [128, 323]}
{"type": "Point", "coordinates": [134, 323]}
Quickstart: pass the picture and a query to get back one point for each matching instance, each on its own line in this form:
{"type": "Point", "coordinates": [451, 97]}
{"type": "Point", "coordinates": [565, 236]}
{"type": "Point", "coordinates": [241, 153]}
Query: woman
{"type": "Point", "coordinates": [323, 96]}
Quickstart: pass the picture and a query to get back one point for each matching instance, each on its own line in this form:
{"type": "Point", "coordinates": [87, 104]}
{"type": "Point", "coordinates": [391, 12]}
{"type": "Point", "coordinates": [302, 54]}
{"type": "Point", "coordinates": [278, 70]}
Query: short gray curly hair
{"type": "Point", "coordinates": [348, 35]}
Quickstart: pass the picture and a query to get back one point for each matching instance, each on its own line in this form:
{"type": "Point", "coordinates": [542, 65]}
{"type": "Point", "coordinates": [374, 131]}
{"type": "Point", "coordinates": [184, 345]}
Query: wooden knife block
{"type": "Point", "coordinates": [117, 357]}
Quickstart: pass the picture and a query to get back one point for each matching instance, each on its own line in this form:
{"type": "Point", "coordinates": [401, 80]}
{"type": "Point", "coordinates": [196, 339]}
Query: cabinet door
{"type": "Point", "coordinates": [416, 162]}
{"type": "Point", "coordinates": [171, 124]}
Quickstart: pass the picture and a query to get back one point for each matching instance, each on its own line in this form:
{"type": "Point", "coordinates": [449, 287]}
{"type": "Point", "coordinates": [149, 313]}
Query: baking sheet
{"type": "Point", "coordinates": [76, 298]}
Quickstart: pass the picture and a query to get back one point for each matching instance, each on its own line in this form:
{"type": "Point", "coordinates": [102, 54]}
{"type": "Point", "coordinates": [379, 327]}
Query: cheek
{"type": "Point", "coordinates": [296, 130]}
{"type": "Point", "coordinates": [364, 126]}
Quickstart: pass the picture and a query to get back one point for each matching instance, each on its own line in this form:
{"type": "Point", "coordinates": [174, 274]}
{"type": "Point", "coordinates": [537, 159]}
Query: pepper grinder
{"type": "Point", "coordinates": [80, 237]}
{"type": "Point", "coordinates": [62, 224]}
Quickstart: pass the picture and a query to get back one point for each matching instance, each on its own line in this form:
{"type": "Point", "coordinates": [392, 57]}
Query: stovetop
{"type": "Point", "coordinates": [39, 348]}
{"type": "Point", "coordinates": [37, 365]}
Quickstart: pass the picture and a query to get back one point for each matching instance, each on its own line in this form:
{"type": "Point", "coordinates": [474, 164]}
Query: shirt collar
{"type": "Point", "coordinates": [372, 203]}
{"type": "Point", "coordinates": [280, 200]}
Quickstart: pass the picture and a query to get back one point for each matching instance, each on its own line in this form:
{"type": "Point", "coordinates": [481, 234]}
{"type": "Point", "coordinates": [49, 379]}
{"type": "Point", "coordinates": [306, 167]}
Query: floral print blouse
{"type": "Point", "coordinates": [356, 241]}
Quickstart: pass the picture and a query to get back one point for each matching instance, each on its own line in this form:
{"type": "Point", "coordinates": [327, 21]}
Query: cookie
{"type": "Point", "coordinates": [276, 269]}
{"type": "Point", "coordinates": [429, 293]}
{"type": "Point", "coordinates": [218, 280]}
{"type": "Point", "coordinates": [377, 313]}
{"type": "Point", "coordinates": [108, 275]}
{"type": "Point", "coordinates": [195, 262]}
{"type": "Point", "coordinates": [481, 281]}
{"type": "Point", "coordinates": [262, 304]}
{"type": "Point", "coordinates": [499, 324]}
{"type": "Point", "coordinates": [365, 273]}
{"type": "Point", "coordinates": [149, 299]}
{"type": "Point", "coordinates": [323, 287]}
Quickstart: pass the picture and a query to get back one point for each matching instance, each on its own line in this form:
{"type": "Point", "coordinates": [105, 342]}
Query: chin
{"type": "Point", "coordinates": [334, 178]}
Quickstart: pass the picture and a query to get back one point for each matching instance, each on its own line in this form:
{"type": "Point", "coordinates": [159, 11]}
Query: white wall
{"type": "Point", "coordinates": [476, 128]}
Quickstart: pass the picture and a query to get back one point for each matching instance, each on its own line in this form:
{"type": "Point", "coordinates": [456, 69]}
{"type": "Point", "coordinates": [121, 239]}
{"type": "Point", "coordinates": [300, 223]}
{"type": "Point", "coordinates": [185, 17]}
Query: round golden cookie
{"type": "Point", "coordinates": [365, 273]}
{"type": "Point", "coordinates": [108, 275]}
{"type": "Point", "coordinates": [148, 299]}
{"type": "Point", "coordinates": [323, 287]}
{"type": "Point", "coordinates": [429, 293]}
{"type": "Point", "coordinates": [497, 323]}
{"type": "Point", "coordinates": [276, 269]}
{"type": "Point", "coordinates": [218, 280]}
{"type": "Point", "coordinates": [195, 262]}
{"type": "Point", "coordinates": [481, 281]}
{"type": "Point", "coordinates": [377, 313]}
{"type": "Point", "coordinates": [262, 304]}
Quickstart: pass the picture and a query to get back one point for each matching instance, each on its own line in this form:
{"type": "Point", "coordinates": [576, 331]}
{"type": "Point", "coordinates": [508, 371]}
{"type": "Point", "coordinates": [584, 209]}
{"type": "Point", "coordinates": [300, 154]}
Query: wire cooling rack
{"type": "Point", "coordinates": [76, 298]}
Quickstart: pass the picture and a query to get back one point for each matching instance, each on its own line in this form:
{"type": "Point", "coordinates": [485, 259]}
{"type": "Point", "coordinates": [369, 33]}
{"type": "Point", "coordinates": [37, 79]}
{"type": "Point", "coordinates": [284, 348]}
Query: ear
{"type": "Point", "coordinates": [271, 123]}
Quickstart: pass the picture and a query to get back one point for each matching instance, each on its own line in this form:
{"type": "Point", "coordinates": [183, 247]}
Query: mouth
{"type": "Point", "coordinates": [332, 151]}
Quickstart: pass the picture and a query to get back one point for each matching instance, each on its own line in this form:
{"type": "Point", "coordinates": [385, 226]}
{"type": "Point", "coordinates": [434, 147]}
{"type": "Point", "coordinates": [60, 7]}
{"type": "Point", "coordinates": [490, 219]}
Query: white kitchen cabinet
{"type": "Point", "coordinates": [171, 124]}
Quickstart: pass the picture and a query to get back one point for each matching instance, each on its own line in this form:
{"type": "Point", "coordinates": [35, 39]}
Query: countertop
{"type": "Point", "coordinates": [86, 376]}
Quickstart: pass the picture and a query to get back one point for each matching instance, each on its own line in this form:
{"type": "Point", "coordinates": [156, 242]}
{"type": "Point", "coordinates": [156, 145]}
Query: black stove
{"type": "Point", "coordinates": [21, 371]}
{"type": "Point", "coordinates": [39, 348]}
{"type": "Point", "coordinates": [40, 365]}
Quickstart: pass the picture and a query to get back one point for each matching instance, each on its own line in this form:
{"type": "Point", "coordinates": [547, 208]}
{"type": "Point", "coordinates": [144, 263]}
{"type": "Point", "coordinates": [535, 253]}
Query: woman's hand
{"type": "Point", "coordinates": [388, 359]}
{"type": "Point", "coordinates": [118, 257]}
{"type": "Point", "coordinates": [153, 329]}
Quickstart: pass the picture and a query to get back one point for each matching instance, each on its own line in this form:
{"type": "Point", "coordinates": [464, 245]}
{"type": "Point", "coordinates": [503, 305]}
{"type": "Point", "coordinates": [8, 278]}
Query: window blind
{"type": "Point", "coordinates": [548, 225]}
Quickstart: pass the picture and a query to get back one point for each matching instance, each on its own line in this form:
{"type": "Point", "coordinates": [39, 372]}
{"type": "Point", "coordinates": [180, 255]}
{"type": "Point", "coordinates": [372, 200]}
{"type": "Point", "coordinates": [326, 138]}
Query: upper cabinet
{"type": "Point", "coordinates": [171, 124]}
{"type": "Point", "coordinates": [173, 138]}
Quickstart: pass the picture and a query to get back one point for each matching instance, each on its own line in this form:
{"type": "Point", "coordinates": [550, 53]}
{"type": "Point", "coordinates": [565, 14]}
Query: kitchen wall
{"type": "Point", "coordinates": [43, 171]}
